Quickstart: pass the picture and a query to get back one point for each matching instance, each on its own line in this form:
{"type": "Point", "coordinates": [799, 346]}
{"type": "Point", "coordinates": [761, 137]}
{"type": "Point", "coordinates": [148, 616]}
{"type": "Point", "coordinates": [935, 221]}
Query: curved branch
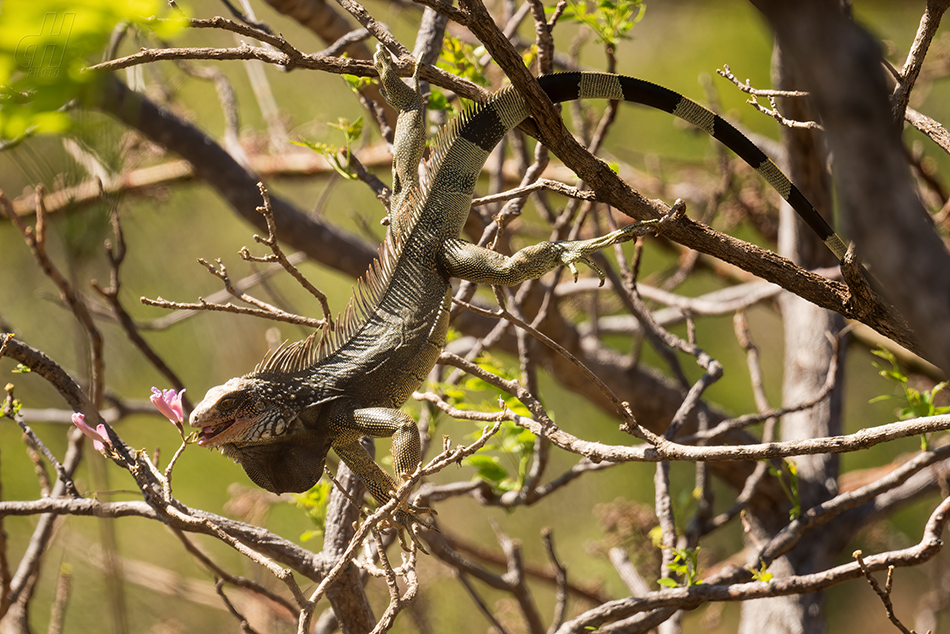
{"type": "Point", "coordinates": [715, 590]}
{"type": "Point", "coordinates": [612, 190]}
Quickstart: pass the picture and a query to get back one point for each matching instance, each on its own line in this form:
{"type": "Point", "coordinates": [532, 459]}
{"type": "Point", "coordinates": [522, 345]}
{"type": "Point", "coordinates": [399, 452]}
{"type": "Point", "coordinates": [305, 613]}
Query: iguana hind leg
{"type": "Point", "coordinates": [477, 264]}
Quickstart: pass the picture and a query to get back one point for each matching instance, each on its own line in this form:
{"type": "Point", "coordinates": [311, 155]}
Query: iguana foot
{"type": "Point", "coordinates": [573, 251]}
{"type": "Point", "coordinates": [398, 94]}
{"type": "Point", "coordinates": [406, 519]}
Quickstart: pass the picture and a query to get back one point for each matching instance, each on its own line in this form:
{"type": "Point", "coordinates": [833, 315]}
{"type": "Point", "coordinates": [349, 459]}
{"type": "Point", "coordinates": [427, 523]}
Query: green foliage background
{"type": "Point", "coordinates": [677, 43]}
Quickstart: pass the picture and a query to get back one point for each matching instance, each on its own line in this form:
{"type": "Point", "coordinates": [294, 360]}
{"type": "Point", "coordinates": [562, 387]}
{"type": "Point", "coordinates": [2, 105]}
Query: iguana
{"type": "Point", "coordinates": [327, 391]}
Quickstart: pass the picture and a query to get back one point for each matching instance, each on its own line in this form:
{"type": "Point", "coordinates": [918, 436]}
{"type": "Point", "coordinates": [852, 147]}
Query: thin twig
{"type": "Point", "coordinates": [64, 477]}
{"type": "Point", "coordinates": [240, 582]}
{"type": "Point", "coordinates": [201, 304]}
{"type": "Point", "coordinates": [242, 620]}
{"type": "Point", "coordinates": [771, 95]}
{"type": "Point", "coordinates": [278, 255]}
{"type": "Point", "coordinates": [560, 595]}
{"type": "Point", "coordinates": [540, 184]}
{"type": "Point", "coordinates": [885, 595]}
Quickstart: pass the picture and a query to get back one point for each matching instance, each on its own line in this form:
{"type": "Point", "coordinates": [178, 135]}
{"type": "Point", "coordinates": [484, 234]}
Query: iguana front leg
{"type": "Point", "coordinates": [380, 422]}
{"type": "Point", "coordinates": [483, 266]}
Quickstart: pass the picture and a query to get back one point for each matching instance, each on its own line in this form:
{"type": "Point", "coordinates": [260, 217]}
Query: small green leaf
{"type": "Point", "coordinates": [669, 583]}
{"type": "Point", "coordinates": [314, 503]}
{"type": "Point", "coordinates": [885, 354]}
{"type": "Point", "coordinates": [463, 60]}
{"type": "Point", "coordinates": [357, 83]}
{"type": "Point", "coordinates": [45, 45]}
{"type": "Point", "coordinates": [438, 101]}
{"type": "Point", "coordinates": [610, 20]}
{"type": "Point", "coordinates": [761, 574]}
{"type": "Point", "coordinates": [488, 468]}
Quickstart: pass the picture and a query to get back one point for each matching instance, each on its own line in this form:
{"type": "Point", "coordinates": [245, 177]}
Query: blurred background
{"type": "Point", "coordinates": [162, 589]}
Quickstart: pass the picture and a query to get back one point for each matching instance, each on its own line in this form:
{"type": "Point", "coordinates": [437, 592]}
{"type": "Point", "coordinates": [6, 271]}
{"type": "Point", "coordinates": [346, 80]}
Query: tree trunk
{"type": "Point", "coordinates": [808, 353]}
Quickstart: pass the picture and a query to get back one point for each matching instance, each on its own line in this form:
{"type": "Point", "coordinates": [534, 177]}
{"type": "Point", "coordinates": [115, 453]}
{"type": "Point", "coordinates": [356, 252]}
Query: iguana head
{"type": "Point", "coordinates": [257, 423]}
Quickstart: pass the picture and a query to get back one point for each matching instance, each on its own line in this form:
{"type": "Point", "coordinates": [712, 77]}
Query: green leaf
{"type": "Point", "coordinates": [610, 21]}
{"type": "Point", "coordinates": [438, 101]}
{"type": "Point", "coordinates": [885, 354]}
{"type": "Point", "coordinates": [331, 154]}
{"type": "Point", "coordinates": [355, 82]}
{"type": "Point", "coordinates": [761, 574]}
{"type": "Point", "coordinates": [461, 59]}
{"type": "Point", "coordinates": [669, 583]}
{"type": "Point", "coordinates": [45, 45]}
{"type": "Point", "coordinates": [314, 503]}
{"type": "Point", "coordinates": [488, 468]}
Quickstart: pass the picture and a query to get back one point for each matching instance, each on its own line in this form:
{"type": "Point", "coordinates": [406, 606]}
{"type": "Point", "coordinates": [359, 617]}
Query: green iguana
{"type": "Point", "coordinates": [326, 392]}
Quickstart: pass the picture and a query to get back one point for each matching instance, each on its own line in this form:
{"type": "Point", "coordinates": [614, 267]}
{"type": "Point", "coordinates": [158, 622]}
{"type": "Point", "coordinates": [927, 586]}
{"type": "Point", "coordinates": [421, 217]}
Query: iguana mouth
{"type": "Point", "coordinates": [209, 435]}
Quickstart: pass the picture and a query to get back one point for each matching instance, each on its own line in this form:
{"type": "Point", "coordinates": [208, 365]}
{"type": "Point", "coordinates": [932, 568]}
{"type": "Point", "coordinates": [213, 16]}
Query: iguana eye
{"type": "Point", "coordinates": [228, 402]}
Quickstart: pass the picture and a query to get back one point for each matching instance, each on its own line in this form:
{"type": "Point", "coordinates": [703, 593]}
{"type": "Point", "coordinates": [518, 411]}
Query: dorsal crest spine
{"type": "Point", "coordinates": [370, 289]}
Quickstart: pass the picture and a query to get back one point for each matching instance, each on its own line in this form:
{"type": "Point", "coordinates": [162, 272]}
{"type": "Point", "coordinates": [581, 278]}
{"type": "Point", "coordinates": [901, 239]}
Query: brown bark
{"type": "Point", "coordinates": [807, 356]}
{"type": "Point", "coordinates": [346, 595]}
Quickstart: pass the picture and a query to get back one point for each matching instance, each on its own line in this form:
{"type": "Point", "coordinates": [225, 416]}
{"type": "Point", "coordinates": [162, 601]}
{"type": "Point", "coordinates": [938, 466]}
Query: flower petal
{"type": "Point", "coordinates": [174, 403]}
{"type": "Point", "coordinates": [100, 445]}
{"type": "Point", "coordinates": [99, 435]}
{"type": "Point", "coordinates": [161, 404]}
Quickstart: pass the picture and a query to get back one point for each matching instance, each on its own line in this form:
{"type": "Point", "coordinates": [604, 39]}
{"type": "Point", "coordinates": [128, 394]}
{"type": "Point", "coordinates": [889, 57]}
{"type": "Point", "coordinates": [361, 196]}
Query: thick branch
{"type": "Point", "coordinates": [717, 590]}
{"type": "Point", "coordinates": [280, 550]}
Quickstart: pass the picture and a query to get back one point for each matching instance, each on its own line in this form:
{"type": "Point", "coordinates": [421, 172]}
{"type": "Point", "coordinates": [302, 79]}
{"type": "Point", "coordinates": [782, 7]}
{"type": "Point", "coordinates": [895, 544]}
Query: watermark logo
{"type": "Point", "coordinates": [42, 54]}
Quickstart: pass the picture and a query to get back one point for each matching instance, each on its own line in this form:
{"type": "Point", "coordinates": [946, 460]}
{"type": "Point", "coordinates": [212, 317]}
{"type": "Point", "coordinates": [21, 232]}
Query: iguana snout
{"type": "Point", "coordinates": [237, 412]}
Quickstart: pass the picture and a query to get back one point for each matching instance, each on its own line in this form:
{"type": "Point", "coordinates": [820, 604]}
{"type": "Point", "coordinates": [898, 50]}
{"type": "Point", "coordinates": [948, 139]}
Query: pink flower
{"type": "Point", "coordinates": [99, 435]}
{"type": "Point", "coordinates": [169, 404]}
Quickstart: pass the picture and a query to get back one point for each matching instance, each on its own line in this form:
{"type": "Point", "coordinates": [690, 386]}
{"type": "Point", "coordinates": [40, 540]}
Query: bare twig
{"type": "Point", "coordinates": [9, 411]}
{"type": "Point", "coordinates": [201, 304]}
{"type": "Point", "coordinates": [57, 612]}
{"type": "Point", "coordinates": [242, 620]}
{"type": "Point", "coordinates": [279, 257]}
{"type": "Point", "coordinates": [884, 594]}
{"type": "Point", "coordinates": [560, 597]}
{"type": "Point", "coordinates": [378, 30]}
{"type": "Point", "coordinates": [240, 582]}
{"type": "Point", "coordinates": [116, 252]}
{"type": "Point", "coordinates": [771, 96]}
{"type": "Point", "coordinates": [907, 78]}
{"type": "Point", "coordinates": [724, 587]}
{"type": "Point", "coordinates": [538, 185]}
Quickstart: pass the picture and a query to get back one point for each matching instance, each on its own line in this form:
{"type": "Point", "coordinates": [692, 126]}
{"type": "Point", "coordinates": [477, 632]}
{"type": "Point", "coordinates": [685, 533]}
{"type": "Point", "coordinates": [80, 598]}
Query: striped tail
{"type": "Point", "coordinates": [487, 124]}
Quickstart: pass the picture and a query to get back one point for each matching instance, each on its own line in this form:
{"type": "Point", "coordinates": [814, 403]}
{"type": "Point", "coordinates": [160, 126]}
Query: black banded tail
{"type": "Point", "coordinates": [487, 124]}
{"type": "Point", "coordinates": [568, 86]}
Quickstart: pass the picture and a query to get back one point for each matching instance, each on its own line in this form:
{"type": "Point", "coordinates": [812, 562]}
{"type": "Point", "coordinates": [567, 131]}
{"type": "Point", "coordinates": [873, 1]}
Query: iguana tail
{"type": "Point", "coordinates": [485, 126]}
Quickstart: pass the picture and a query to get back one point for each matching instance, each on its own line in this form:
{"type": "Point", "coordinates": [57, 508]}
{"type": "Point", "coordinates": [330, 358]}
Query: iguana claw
{"type": "Point", "coordinates": [405, 519]}
{"type": "Point", "coordinates": [577, 251]}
